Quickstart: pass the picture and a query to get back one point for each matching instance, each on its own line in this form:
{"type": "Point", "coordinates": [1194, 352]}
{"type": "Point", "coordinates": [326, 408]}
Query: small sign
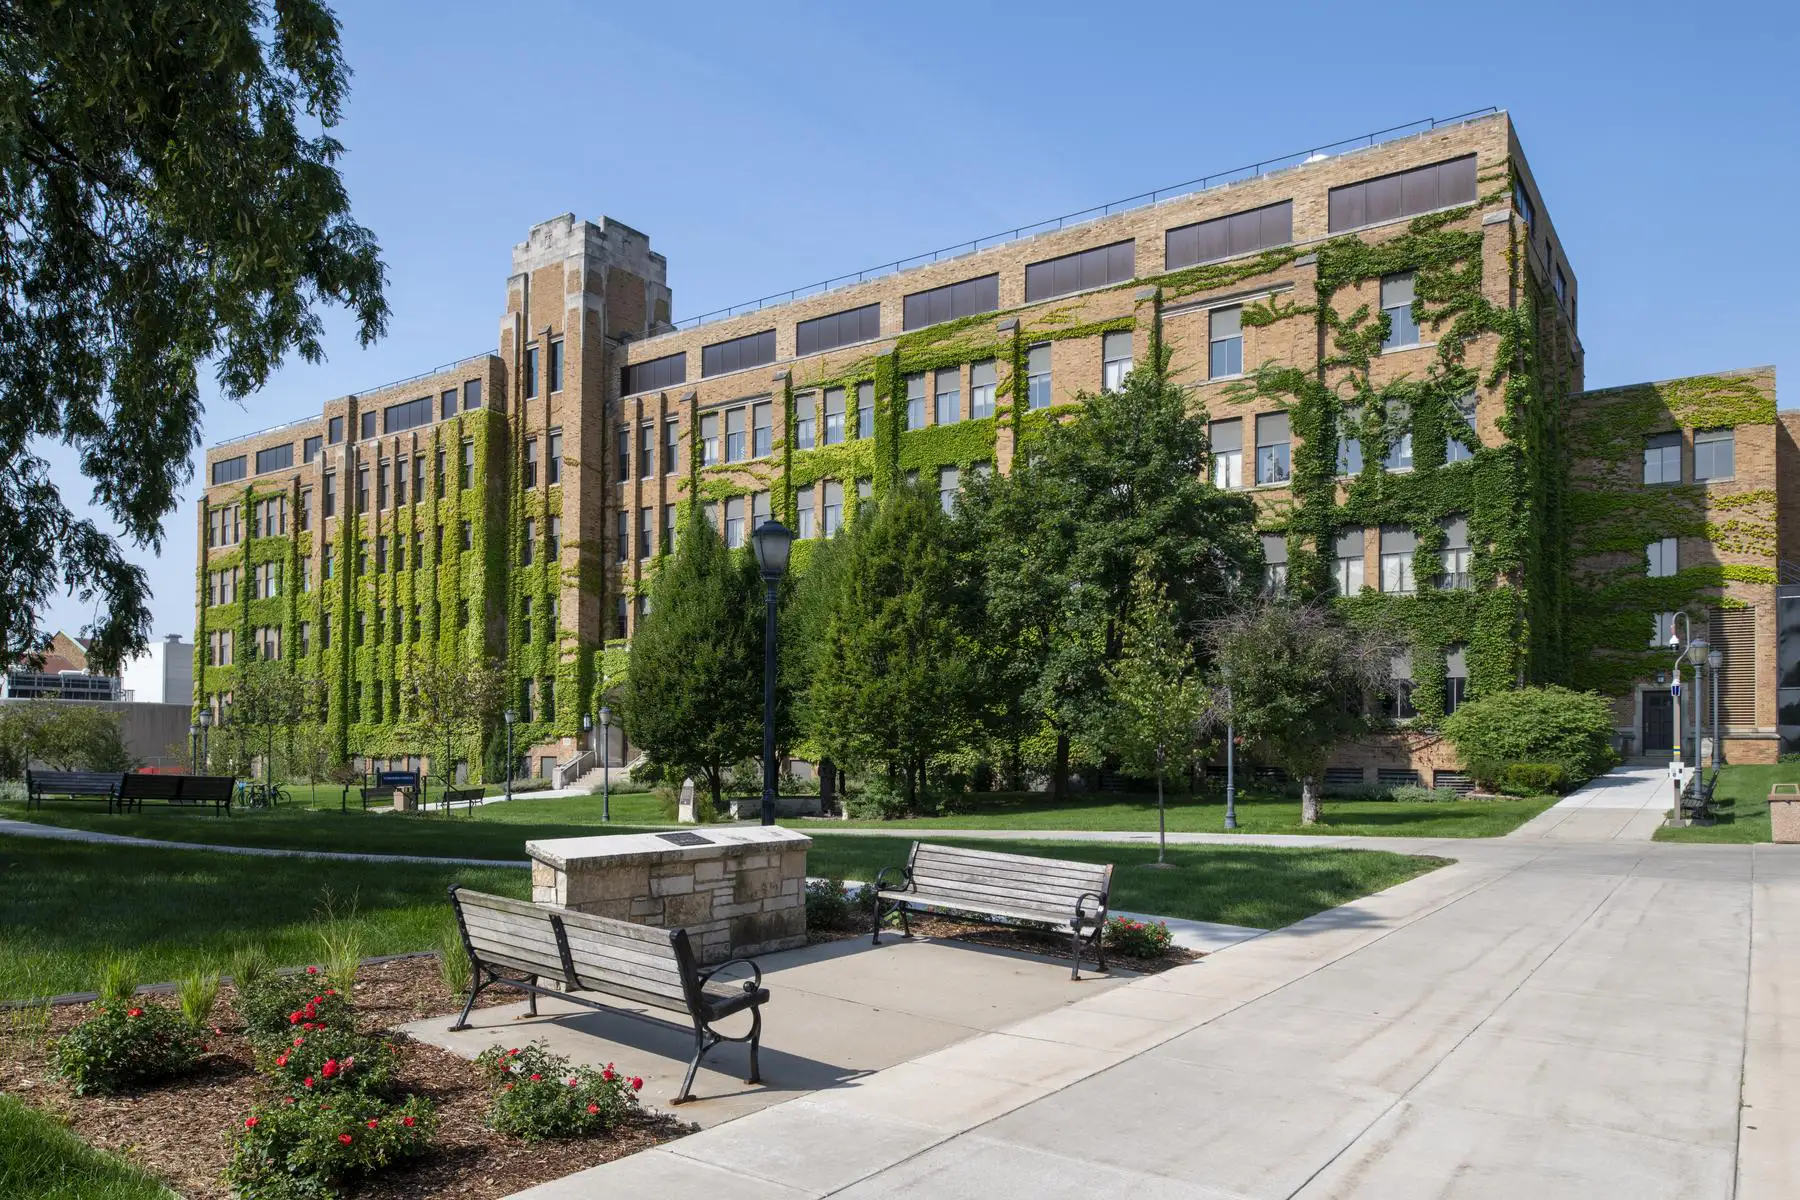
{"type": "Point", "coordinates": [1674, 689]}
{"type": "Point", "coordinates": [397, 778]}
{"type": "Point", "coordinates": [685, 838]}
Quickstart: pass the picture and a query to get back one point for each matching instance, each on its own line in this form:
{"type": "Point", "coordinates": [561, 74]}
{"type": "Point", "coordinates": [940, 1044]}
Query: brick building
{"type": "Point", "coordinates": [1385, 339]}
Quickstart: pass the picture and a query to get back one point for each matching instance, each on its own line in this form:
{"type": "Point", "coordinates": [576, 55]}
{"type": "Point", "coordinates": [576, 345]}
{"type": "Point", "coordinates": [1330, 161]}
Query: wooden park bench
{"type": "Point", "coordinates": [637, 964]}
{"type": "Point", "coordinates": [177, 791]}
{"type": "Point", "coordinates": [450, 797]}
{"type": "Point", "coordinates": [1008, 887]}
{"type": "Point", "coordinates": [71, 785]}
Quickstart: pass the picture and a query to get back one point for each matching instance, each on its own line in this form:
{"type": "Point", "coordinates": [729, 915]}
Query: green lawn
{"type": "Point", "coordinates": [1256, 813]}
{"type": "Point", "coordinates": [1742, 799]}
{"type": "Point", "coordinates": [42, 1160]}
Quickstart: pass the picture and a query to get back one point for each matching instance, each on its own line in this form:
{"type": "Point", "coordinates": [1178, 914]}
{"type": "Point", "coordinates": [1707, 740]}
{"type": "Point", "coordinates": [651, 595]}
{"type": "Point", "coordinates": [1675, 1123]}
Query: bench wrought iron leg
{"type": "Point", "coordinates": [704, 1040]}
{"type": "Point", "coordinates": [755, 1044]}
{"type": "Point", "coordinates": [905, 922]}
{"type": "Point", "coordinates": [875, 938]}
{"type": "Point", "coordinates": [1075, 953]}
{"type": "Point", "coordinates": [462, 1022]}
{"type": "Point", "coordinates": [531, 998]}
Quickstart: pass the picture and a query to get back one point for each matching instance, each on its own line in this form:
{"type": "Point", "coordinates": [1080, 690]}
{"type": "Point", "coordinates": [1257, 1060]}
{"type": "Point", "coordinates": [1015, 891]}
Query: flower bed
{"type": "Point", "coordinates": [185, 1130]}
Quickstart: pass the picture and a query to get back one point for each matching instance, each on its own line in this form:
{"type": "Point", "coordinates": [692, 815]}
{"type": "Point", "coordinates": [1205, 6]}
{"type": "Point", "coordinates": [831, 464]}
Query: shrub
{"type": "Point", "coordinates": [539, 1095]}
{"type": "Point", "coordinates": [1532, 779]}
{"type": "Point", "coordinates": [829, 904]}
{"type": "Point", "coordinates": [327, 1060]}
{"type": "Point", "coordinates": [1138, 939]}
{"type": "Point", "coordinates": [122, 1046]}
{"type": "Point", "coordinates": [198, 992]}
{"type": "Point", "coordinates": [305, 1147]}
{"type": "Point", "coordinates": [1571, 729]}
{"type": "Point", "coordinates": [274, 1005]}
{"type": "Point", "coordinates": [1412, 793]}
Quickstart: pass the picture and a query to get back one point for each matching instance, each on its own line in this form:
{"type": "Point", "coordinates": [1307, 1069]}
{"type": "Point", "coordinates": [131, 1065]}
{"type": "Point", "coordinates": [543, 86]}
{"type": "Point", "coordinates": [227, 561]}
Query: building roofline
{"type": "Point", "coordinates": [437, 370]}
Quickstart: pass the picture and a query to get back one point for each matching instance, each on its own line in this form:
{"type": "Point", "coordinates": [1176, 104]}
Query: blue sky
{"type": "Point", "coordinates": [768, 146]}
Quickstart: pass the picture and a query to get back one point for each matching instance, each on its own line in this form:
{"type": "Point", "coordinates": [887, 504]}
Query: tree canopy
{"type": "Point", "coordinates": [170, 199]}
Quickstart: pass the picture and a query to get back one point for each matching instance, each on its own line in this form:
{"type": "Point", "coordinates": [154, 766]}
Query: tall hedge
{"type": "Point", "coordinates": [1556, 725]}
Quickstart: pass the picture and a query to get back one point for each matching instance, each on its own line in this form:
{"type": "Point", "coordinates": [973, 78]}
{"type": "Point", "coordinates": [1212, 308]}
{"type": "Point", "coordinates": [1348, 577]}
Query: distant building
{"type": "Point", "coordinates": [62, 675]}
{"type": "Point", "coordinates": [162, 674]}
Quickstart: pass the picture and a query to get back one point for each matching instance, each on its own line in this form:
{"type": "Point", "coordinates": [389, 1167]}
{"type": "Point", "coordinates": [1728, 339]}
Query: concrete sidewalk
{"type": "Point", "coordinates": [1543, 1019]}
{"type": "Point", "coordinates": [1626, 804]}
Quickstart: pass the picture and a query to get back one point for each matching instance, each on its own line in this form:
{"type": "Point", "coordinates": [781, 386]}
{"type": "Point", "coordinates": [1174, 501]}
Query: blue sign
{"type": "Point", "coordinates": [397, 778]}
{"type": "Point", "coordinates": [1674, 689]}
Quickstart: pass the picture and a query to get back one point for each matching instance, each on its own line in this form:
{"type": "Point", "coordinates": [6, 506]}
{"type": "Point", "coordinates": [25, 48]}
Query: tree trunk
{"type": "Point", "coordinates": [827, 778]}
{"type": "Point", "coordinates": [1309, 799]}
{"type": "Point", "coordinates": [1059, 773]}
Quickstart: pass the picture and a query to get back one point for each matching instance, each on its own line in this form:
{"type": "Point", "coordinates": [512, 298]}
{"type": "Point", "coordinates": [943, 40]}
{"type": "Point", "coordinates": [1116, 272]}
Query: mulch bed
{"type": "Point", "coordinates": [1020, 940]}
{"type": "Point", "coordinates": [181, 1131]}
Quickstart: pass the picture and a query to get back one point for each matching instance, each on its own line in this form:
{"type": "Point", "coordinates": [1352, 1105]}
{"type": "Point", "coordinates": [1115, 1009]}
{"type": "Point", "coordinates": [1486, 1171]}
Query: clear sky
{"type": "Point", "coordinates": [768, 146]}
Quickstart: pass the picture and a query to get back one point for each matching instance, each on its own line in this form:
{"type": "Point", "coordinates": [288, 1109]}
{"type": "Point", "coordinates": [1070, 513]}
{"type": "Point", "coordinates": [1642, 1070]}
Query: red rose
{"type": "Point", "coordinates": [372, 1124]}
{"type": "Point", "coordinates": [281, 1060]}
{"type": "Point", "coordinates": [637, 1084]}
{"type": "Point", "coordinates": [249, 1122]}
{"type": "Point", "coordinates": [307, 1082]}
{"type": "Point", "coordinates": [344, 1138]}
{"type": "Point", "coordinates": [407, 1121]}
{"type": "Point", "coordinates": [299, 1041]}
{"type": "Point", "coordinates": [134, 1012]}
{"type": "Point", "coordinates": [294, 1017]}
{"type": "Point", "coordinates": [607, 1074]}
{"type": "Point", "coordinates": [330, 1068]}
{"type": "Point", "coordinates": [509, 1087]}
{"type": "Point", "coordinates": [574, 1082]}
{"type": "Point", "coordinates": [592, 1109]}
{"type": "Point", "coordinates": [287, 1099]}
{"type": "Point", "coordinates": [535, 1078]}
{"type": "Point", "coordinates": [312, 970]}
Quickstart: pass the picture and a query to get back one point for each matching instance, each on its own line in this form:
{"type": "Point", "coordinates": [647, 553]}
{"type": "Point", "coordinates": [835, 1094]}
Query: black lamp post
{"type": "Point", "coordinates": [1715, 659]}
{"type": "Point", "coordinates": [773, 542]}
{"type": "Point", "coordinates": [206, 721]}
{"type": "Point", "coordinates": [605, 763]}
{"type": "Point", "coordinates": [511, 716]}
{"type": "Point", "coordinates": [194, 747]}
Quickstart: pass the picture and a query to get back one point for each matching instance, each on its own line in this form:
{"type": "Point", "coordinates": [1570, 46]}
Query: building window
{"type": "Point", "coordinates": [646, 531]}
{"type": "Point", "coordinates": [671, 446]}
{"type": "Point", "coordinates": [555, 538]}
{"type": "Point", "coordinates": [1226, 339]}
{"type": "Point", "coordinates": [556, 365]}
{"type": "Point", "coordinates": [1397, 303]}
{"type": "Point", "coordinates": [447, 404]}
{"type": "Point", "coordinates": [1460, 447]}
{"type": "Point", "coordinates": [736, 447]}
{"type": "Point", "coordinates": [709, 440]}
{"type": "Point", "coordinates": [334, 430]}
{"type": "Point", "coordinates": [1662, 458]}
{"type": "Point", "coordinates": [734, 522]}
{"type": "Point", "coordinates": [834, 416]}
{"type": "Point", "coordinates": [1714, 454]}
{"type": "Point", "coordinates": [525, 630]}
{"type": "Point", "coordinates": [865, 410]}
{"type": "Point", "coordinates": [803, 421]}
{"type": "Point", "coordinates": [468, 465]}
{"type": "Point", "coordinates": [531, 462]}
{"type": "Point", "coordinates": [1662, 556]}
{"type": "Point", "coordinates": [229, 470]}
{"type": "Point", "coordinates": [915, 401]}
{"type": "Point", "coordinates": [763, 429]}
{"type": "Point", "coordinates": [1227, 438]}
{"type": "Point", "coordinates": [326, 562]}
{"type": "Point", "coordinates": [381, 485]}
{"type": "Point", "coordinates": [324, 631]}
{"type": "Point", "coordinates": [397, 418]}
{"type": "Point", "coordinates": [306, 522]}
{"type": "Point", "coordinates": [1397, 546]}
{"type": "Point", "coordinates": [328, 498]}
{"type": "Point", "coordinates": [438, 478]}
{"type": "Point", "coordinates": [1402, 194]}
{"type": "Point", "coordinates": [1228, 237]}
{"type": "Point", "coordinates": [947, 397]}
{"type": "Point", "coordinates": [803, 512]}
{"type": "Point", "coordinates": [1399, 705]}
{"type": "Point", "coordinates": [620, 614]}
{"type": "Point", "coordinates": [362, 489]}
{"type": "Point", "coordinates": [553, 456]}
{"type": "Point", "coordinates": [531, 534]}
{"type": "Point", "coordinates": [981, 389]}
{"type": "Point", "coordinates": [832, 492]}
{"type": "Point", "coordinates": [1272, 448]}
{"type": "Point", "coordinates": [1115, 360]}
{"type": "Point", "coordinates": [738, 354]}
{"type": "Point", "coordinates": [468, 535]}
{"type": "Point", "coordinates": [865, 488]}
{"type": "Point", "coordinates": [310, 448]}
{"type": "Point", "coordinates": [531, 372]}
{"type": "Point", "coordinates": [839, 329]}
{"type": "Point", "coordinates": [1349, 449]}
{"type": "Point", "coordinates": [1037, 376]}
{"type": "Point", "coordinates": [1522, 205]}
{"type": "Point", "coordinates": [471, 399]}
{"type": "Point", "coordinates": [1560, 285]}
{"type": "Point", "coordinates": [368, 425]}
{"type": "Point", "coordinates": [1081, 270]}
{"type": "Point", "coordinates": [1662, 628]}
{"type": "Point", "coordinates": [1275, 563]}
{"type": "Point", "coordinates": [1400, 449]}
{"type": "Point", "coordinates": [668, 541]}
{"type": "Point", "coordinates": [621, 535]}
{"type": "Point", "coordinates": [949, 483]}
{"type": "Point", "coordinates": [667, 371]}
{"type": "Point", "coordinates": [1347, 566]}
{"type": "Point", "coordinates": [951, 301]}
{"type": "Point", "coordinates": [622, 451]}
{"type": "Point", "coordinates": [1455, 556]}
{"type": "Point", "coordinates": [1456, 678]}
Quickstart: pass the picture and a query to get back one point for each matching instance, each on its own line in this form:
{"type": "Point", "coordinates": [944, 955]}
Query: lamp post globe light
{"type": "Point", "coordinates": [773, 542]}
{"type": "Point", "coordinates": [605, 763]}
{"type": "Point", "coordinates": [511, 716]}
{"type": "Point", "coordinates": [1715, 660]}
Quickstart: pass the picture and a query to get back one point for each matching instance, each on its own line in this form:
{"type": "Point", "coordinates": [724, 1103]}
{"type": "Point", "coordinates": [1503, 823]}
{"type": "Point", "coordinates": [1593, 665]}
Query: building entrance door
{"type": "Point", "coordinates": [1659, 722]}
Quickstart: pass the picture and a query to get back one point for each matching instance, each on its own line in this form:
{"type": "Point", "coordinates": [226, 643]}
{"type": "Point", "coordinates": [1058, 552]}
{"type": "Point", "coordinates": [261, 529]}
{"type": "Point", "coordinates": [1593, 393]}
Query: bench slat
{"type": "Point", "coordinates": [1037, 895]}
{"type": "Point", "coordinates": [1002, 865]}
{"type": "Point", "coordinates": [502, 956]}
{"type": "Point", "coordinates": [608, 926]}
{"type": "Point", "coordinates": [504, 930]}
{"type": "Point", "coordinates": [582, 942]}
{"type": "Point", "coordinates": [1003, 859]}
{"type": "Point", "coordinates": [955, 870]}
{"type": "Point", "coordinates": [962, 904]}
{"type": "Point", "coordinates": [985, 901]}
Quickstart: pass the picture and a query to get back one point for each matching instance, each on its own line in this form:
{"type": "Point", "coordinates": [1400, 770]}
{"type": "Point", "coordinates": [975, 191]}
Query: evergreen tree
{"type": "Point", "coordinates": [693, 694]}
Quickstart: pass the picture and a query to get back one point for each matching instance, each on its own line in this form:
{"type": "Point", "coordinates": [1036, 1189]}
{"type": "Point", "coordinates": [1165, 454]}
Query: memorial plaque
{"type": "Point", "coordinates": [685, 839]}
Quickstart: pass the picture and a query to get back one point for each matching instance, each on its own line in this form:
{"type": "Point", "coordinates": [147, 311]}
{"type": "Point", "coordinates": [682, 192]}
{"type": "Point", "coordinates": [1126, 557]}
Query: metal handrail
{"type": "Point", "coordinates": [1215, 179]}
{"type": "Point", "coordinates": [382, 387]}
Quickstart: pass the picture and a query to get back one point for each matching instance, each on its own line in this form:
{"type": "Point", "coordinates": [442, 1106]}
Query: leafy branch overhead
{"type": "Point", "coordinates": [171, 200]}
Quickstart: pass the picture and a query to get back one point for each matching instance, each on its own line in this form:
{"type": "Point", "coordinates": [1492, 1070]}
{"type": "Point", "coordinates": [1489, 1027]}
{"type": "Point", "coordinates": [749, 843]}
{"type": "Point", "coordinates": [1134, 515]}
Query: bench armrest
{"type": "Point", "coordinates": [1081, 906]}
{"type": "Point", "coordinates": [750, 985]}
{"type": "Point", "coordinates": [906, 879]}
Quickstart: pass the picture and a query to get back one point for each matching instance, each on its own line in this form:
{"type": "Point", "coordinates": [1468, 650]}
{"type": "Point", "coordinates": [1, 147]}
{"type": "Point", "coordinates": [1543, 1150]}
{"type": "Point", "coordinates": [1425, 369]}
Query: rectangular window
{"type": "Point", "coordinates": [556, 364]}
{"type": "Point", "coordinates": [762, 429]}
{"type": "Point", "coordinates": [471, 395]}
{"type": "Point", "coordinates": [439, 479]}
{"type": "Point", "coordinates": [1560, 285]}
{"type": "Point", "coordinates": [329, 484]}
{"type": "Point", "coordinates": [531, 372]}
{"type": "Point", "coordinates": [671, 446]}
{"type": "Point", "coordinates": [1714, 454]}
{"type": "Point", "coordinates": [1403, 194]}
{"type": "Point", "coordinates": [525, 620]}
{"type": "Point", "coordinates": [1456, 678]}
{"type": "Point", "coordinates": [368, 425]}
{"type": "Point", "coordinates": [1663, 558]}
{"type": "Point", "coordinates": [310, 448]}
{"type": "Point", "coordinates": [228, 470]}
{"type": "Point", "coordinates": [915, 400]}
{"type": "Point", "coordinates": [622, 453]}
{"type": "Point", "coordinates": [1080, 271]}
{"type": "Point", "coordinates": [1662, 458]}
{"type": "Point", "coordinates": [407, 415]}
{"type": "Point", "coordinates": [531, 534]}
{"type": "Point", "coordinates": [468, 464]}
{"type": "Point", "coordinates": [1399, 455]}
{"type": "Point", "coordinates": [554, 538]}
{"type": "Point", "coordinates": [447, 404]}
{"type": "Point", "coordinates": [709, 440]}
{"type": "Point", "coordinates": [1458, 446]}
{"type": "Point", "coordinates": [865, 410]}
{"type": "Point", "coordinates": [735, 444]}
{"type": "Point", "coordinates": [400, 481]}
{"type": "Point", "coordinates": [621, 535]}
{"type": "Point", "coordinates": [646, 532]}
{"type": "Point", "coordinates": [553, 456]}
{"type": "Point", "coordinates": [1225, 337]}
{"type": "Point", "coordinates": [1662, 628]}
{"type": "Point", "coordinates": [834, 416]}
{"type": "Point", "coordinates": [667, 371]}
{"type": "Point", "coordinates": [1455, 556]}
{"type": "Point", "coordinates": [734, 522]}
{"type": "Point", "coordinates": [981, 389]}
{"type": "Point", "coordinates": [1522, 204]}
{"type": "Point", "coordinates": [803, 512]}
{"type": "Point", "coordinates": [1399, 705]}
{"type": "Point", "coordinates": [400, 552]}
{"type": "Point", "coordinates": [275, 458]}
{"type": "Point", "coordinates": [646, 451]}
{"type": "Point", "coordinates": [1397, 546]}
{"type": "Point", "coordinates": [362, 489]}
{"type": "Point", "coordinates": [381, 554]}
{"type": "Point", "coordinates": [1227, 439]}
{"type": "Point", "coordinates": [951, 301]}
{"type": "Point", "coordinates": [1115, 360]}
{"type": "Point", "coordinates": [468, 535]}
{"type": "Point", "coordinates": [1347, 567]}
{"type": "Point", "coordinates": [865, 488]}
{"type": "Point", "coordinates": [305, 521]}
{"type": "Point", "coordinates": [1397, 303]}
{"type": "Point", "coordinates": [668, 541]}
{"type": "Point", "coordinates": [947, 396]}
{"type": "Point", "coordinates": [949, 484]}
{"type": "Point", "coordinates": [381, 484]}
{"type": "Point", "coordinates": [839, 329]}
{"type": "Point", "coordinates": [619, 616]}
{"type": "Point", "coordinates": [833, 495]}
{"type": "Point", "coordinates": [324, 631]}
{"type": "Point", "coordinates": [1275, 563]}
{"type": "Point", "coordinates": [325, 564]}
{"type": "Point", "coordinates": [418, 478]}
{"type": "Point", "coordinates": [1349, 449]}
{"type": "Point", "coordinates": [1037, 376]}
{"type": "Point", "coordinates": [1228, 237]}
{"type": "Point", "coordinates": [334, 430]}
{"type": "Point", "coordinates": [738, 354]}
{"type": "Point", "coordinates": [803, 421]}
{"type": "Point", "coordinates": [1272, 448]}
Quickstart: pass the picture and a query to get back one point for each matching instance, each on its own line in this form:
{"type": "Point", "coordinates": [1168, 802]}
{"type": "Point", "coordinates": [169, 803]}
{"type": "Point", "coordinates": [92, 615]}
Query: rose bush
{"type": "Point", "coordinates": [274, 1005]}
{"type": "Point", "coordinates": [1138, 939]}
{"type": "Point", "coordinates": [328, 1060]}
{"type": "Point", "coordinates": [538, 1095]}
{"type": "Point", "coordinates": [127, 1045]}
{"type": "Point", "coordinates": [304, 1147]}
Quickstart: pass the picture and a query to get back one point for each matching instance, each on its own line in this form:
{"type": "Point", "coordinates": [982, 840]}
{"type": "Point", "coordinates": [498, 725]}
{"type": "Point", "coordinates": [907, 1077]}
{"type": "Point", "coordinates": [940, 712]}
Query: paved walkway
{"type": "Point", "coordinates": [1626, 804]}
{"type": "Point", "coordinates": [58, 833]}
{"type": "Point", "coordinates": [1544, 1018]}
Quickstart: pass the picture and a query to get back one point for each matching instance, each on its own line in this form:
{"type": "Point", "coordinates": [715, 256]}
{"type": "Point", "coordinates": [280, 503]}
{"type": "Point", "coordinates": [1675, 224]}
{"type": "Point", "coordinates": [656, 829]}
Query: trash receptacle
{"type": "Point", "coordinates": [1784, 812]}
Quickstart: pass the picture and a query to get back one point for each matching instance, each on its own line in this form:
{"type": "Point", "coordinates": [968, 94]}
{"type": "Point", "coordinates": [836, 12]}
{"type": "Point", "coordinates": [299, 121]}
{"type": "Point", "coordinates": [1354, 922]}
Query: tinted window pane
{"type": "Point", "coordinates": [950, 302]}
{"type": "Point", "coordinates": [228, 470]}
{"type": "Point", "coordinates": [667, 371]}
{"type": "Point", "coordinates": [839, 329]}
{"type": "Point", "coordinates": [751, 350]}
{"type": "Point", "coordinates": [472, 394]}
{"type": "Point", "coordinates": [1084, 269]}
{"type": "Point", "coordinates": [274, 458]}
{"type": "Point", "coordinates": [1404, 193]}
